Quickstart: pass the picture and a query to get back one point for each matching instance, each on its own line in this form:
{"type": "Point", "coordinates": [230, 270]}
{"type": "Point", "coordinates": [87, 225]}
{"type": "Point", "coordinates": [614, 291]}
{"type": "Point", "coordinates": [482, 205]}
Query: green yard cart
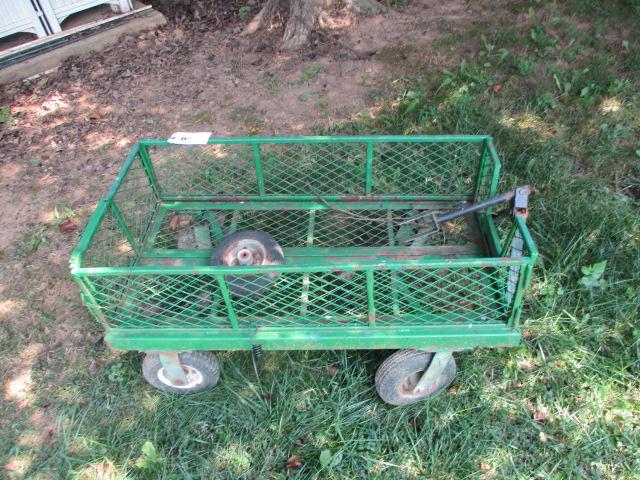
{"type": "Point", "coordinates": [287, 243]}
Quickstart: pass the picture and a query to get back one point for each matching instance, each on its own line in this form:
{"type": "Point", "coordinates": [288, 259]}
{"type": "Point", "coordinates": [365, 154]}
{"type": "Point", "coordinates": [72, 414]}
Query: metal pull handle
{"type": "Point", "coordinates": [519, 195]}
{"type": "Point", "coordinates": [474, 207]}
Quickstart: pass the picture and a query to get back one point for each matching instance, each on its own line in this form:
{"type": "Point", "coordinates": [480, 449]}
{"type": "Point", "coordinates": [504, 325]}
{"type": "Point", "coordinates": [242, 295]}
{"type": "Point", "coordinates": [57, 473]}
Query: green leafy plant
{"type": "Point", "coordinates": [524, 66]}
{"type": "Point", "coordinates": [545, 101]}
{"type": "Point", "coordinates": [150, 458]}
{"type": "Point", "coordinates": [243, 12]}
{"type": "Point", "coordinates": [5, 116]}
{"type": "Point", "coordinates": [541, 38]}
{"type": "Point", "coordinates": [304, 97]}
{"type": "Point", "coordinates": [592, 275]}
{"type": "Point", "coordinates": [117, 373]}
{"type": "Point", "coordinates": [62, 213]}
{"type": "Point", "coordinates": [468, 76]}
{"type": "Point", "coordinates": [32, 240]}
{"type": "Point", "coordinates": [310, 73]}
{"type": "Point", "coordinates": [329, 459]}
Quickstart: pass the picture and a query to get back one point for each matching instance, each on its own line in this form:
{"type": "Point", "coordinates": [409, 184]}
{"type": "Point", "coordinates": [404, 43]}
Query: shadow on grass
{"type": "Point", "coordinates": [560, 405]}
{"type": "Point", "coordinates": [506, 411]}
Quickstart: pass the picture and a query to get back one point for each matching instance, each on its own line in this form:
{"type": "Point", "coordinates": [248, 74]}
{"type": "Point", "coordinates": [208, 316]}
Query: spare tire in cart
{"type": "Point", "coordinates": [248, 248]}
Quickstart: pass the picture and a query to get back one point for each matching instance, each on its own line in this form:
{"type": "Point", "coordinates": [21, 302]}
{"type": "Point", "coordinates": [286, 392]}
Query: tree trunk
{"type": "Point", "coordinates": [265, 14]}
{"type": "Point", "coordinates": [303, 15]}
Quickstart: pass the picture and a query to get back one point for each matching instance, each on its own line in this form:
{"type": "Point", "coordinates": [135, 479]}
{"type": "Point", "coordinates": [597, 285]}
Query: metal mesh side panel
{"type": "Point", "coordinates": [464, 295]}
{"type": "Point", "coordinates": [296, 299]}
{"type": "Point", "coordinates": [412, 297]}
{"type": "Point", "coordinates": [331, 168]}
{"type": "Point", "coordinates": [192, 171]}
{"type": "Point", "coordinates": [134, 206]}
{"type": "Point", "coordinates": [425, 168]}
{"type": "Point", "coordinates": [485, 175]}
{"type": "Point", "coordinates": [299, 228]}
{"type": "Point", "coordinates": [136, 201]}
{"type": "Point", "coordinates": [152, 301]}
{"type": "Point", "coordinates": [109, 246]}
{"type": "Point", "coordinates": [314, 169]}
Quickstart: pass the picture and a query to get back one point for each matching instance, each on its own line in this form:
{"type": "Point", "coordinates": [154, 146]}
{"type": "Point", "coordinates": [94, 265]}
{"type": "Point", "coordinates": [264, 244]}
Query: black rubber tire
{"type": "Point", "coordinates": [206, 363]}
{"type": "Point", "coordinates": [399, 366]}
{"type": "Point", "coordinates": [242, 285]}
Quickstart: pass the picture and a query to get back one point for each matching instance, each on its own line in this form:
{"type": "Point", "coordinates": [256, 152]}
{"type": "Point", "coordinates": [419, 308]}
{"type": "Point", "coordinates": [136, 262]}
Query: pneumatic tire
{"type": "Point", "coordinates": [398, 375]}
{"type": "Point", "coordinates": [265, 250]}
{"type": "Point", "coordinates": [202, 370]}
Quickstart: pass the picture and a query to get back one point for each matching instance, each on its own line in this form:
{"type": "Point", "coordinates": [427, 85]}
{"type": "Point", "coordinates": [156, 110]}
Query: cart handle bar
{"type": "Point", "coordinates": [520, 194]}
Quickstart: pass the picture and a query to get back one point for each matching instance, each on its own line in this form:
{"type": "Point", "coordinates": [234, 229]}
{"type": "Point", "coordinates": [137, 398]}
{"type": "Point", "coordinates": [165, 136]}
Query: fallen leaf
{"type": "Point", "coordinates": [298, 442]}
{"type": "Point", "coordinates": [294, 462]}
{"type": "Point", "coordinates": [184, 221]}
{"type": "Point", "coordinates": [497, 87]}
{"type": "Point", "coordinates": [448, 226]}
{"type": "Point", "coordinates": [543, 437]}
{"type": "Point", "coordinates": [453, 390]}
{"type": "Point", "coordinates": [254, 130]}
{"type": "Point", "coordinates": [540, 415]}
{"type": "Point", "coordinates": [484, 467]}
{"type": "Point", "coordinates": [332, 370]}
{"type": "Point", "coordinates": [93, 116]}
{"type": "Point", "coordinates": [266, 396]}
{"type": "Point", "coordinates": [67, 226]}
{"type": "Point", "coordinates": [346, 276]}
{"type": "Point", "coordinates": [173, 223]}
{"type": "Point", "coordinates": [526, 365]}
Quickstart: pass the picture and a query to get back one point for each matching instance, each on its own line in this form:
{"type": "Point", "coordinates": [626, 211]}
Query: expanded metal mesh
{"type": "Point", "coordinates": [300, 228]}
{"type": "Point", "coordinates": [142, 227]}
{"type": "Point", "coordinates": [127, 219]}
{"type": "Point", "coordinates": [425, 169]}
{"type": "Point", "coordinates": [136, 201]}
{"type": "Point", "coordinates": [460, 295]}
{"type": "Point", "coordinates": [152, 301]}
{"type": "Point", "coordinates": [444, 296]}
{"type": "Point", "coordinates": [109, 246]}
{"type": "Point", "coordinates": [486, 170]}
{"type": "Point", "coordinates": [314, 169]}
{"type": "Point", "coordinates": [397, 168]}
{"type": "Point", "coordinates": [192, 171]}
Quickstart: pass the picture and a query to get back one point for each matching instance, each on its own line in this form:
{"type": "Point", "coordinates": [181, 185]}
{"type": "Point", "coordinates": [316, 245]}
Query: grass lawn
{"type": "Point", "coordinates": [557, 84]}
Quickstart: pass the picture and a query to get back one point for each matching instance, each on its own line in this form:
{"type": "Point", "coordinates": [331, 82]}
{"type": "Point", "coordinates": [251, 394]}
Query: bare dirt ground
{"type": "Point", "coordinates": [74, 127]}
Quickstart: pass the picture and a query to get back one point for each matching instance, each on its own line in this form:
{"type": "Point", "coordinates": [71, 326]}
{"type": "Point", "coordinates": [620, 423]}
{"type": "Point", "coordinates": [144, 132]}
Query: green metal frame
{"type": "Point", "coordinates": [118, 261]}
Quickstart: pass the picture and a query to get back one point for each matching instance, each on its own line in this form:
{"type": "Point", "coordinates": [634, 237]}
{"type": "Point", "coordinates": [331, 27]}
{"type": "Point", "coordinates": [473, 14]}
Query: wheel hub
{"type": "Point", "coordinates": [245, 252]}
{"type": "Point", "coordinates": [194, 377]}
{"type": "Point", "coordinates": [408, 387]}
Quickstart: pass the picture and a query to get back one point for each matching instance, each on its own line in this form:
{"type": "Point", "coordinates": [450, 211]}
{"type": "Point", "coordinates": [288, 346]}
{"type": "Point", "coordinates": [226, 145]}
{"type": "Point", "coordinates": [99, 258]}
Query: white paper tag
{"type": "Point", "coordinates": [190, 138]}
